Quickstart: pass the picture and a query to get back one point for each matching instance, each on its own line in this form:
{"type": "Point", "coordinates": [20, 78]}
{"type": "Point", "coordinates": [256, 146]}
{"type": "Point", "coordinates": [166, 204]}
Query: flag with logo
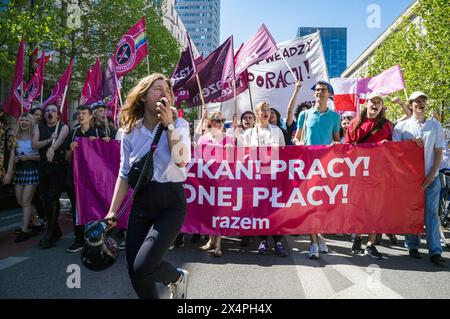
{"type": "Point", "coordinates": [92, 91]}
{"type": "Point", "coordinates": [32, 89]}
{"type": "Point", "coordinates": [59, 94]}
{"type": "Point", "coordinates": [12, 103]}
{"type": "Point", "coordinates": [131, 49]}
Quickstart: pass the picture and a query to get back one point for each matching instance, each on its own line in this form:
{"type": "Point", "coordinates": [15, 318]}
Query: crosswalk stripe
{"type": "Point", "coordinates": [11, 261]}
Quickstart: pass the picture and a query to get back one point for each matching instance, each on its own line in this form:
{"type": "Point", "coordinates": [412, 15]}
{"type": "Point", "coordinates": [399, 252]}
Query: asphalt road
{"type": "Point", "coordinates": [30, 272]}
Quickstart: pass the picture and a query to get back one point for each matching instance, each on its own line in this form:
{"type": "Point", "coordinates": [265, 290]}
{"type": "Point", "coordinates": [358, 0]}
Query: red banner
{"type": "Point", "coordinates": [292, 190]}
{"type": "Point", "coordinates": [307, 190]}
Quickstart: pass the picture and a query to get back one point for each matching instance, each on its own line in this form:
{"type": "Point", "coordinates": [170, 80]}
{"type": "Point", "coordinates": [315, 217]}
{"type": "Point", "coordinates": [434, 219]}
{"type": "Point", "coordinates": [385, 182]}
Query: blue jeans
{"type": "Point", "coordinates": [432, 223]}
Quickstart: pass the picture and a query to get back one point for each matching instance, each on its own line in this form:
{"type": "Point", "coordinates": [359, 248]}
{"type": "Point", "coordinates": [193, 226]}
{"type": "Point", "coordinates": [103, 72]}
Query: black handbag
{"type": "Point", "coordinates": [141, 172]}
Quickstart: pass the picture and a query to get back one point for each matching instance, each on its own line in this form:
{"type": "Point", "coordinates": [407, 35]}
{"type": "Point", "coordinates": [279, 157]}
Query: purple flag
{"type": "Point", "coordinates": [185, 68]}
{"type": "Point", "coordinates": [385, 83]}
{"type": "Point", "coordinates": [111, 91]}
{"type": "Point", "coordinates": [259, 47]}
{"type": "Point", "coordinates": [210, 72]}
{"type": "Point", "coordinates": [93, 205]}
{"type": "Point", "coordinates": [92, 89]}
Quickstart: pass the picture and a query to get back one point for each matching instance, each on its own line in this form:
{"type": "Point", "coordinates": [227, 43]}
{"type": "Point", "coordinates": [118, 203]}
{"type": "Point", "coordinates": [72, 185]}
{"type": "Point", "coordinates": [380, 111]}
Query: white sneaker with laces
{"type": "Point", "coordinates": [314, 251]}
{"type": "Point", "coordinates": [323, 248]}
{"type": "Point", "coordinates": [178, 290]}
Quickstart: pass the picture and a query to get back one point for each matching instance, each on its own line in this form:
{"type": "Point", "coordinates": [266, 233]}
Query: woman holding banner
{"type": "Point", "coordinates": [265, 134]}
{"type": "Point", "coordinates": [371, 126]}
{"type": "Point", "coordinates": [215, 136]}
{"type": "Point", "coordinates": [159, 208]}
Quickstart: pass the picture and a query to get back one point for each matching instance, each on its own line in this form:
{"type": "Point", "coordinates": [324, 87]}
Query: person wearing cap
{"type": "Point", "coordinates": [371, 126]}
{"type": "Point", "coordinates": [429, 135]}
{"type": "Point", "coordinates": [102, 122]}
{"type": "Point", "coordinates": [318, 126]}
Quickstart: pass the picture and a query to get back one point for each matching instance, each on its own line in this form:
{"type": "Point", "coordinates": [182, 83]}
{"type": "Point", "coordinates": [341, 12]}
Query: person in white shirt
{"type": "Point", "coordinates": [265, 134]}
{"type": "Point", "coordinates": [159, 209]}
{"type": "Point", "coordinates": [427, 133]}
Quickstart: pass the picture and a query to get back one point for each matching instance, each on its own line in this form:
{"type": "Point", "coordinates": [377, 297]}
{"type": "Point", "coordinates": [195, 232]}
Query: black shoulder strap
{"type": "Point", "coordinates": [374, 129]}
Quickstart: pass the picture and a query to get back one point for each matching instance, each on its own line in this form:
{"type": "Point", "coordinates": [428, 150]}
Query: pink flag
{"type": "Point", "coordinates": [12, 104]}
{"type": "Point", "coordinates": [92, 89]}
{"type": "Point", "coordinates": [259, 47]}
{"type": "Point", "coordinates": [131, 49]}
{"type": "Point", "coordinates": [344, 94]}
{"type": "Point", "coordinates": [32, 90]}
{"type": "Point", "coordinates": [111, 91]}
{"type": "Point", "coordinates": [385, 83]}
{"type": "Point", "coordinates": [59, 93]}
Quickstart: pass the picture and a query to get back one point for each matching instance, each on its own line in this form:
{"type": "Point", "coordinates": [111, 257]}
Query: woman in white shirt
{"type": "Point", "coordinates": [159, 208]}
{"type": "Point", "coordinates": [265, 134]}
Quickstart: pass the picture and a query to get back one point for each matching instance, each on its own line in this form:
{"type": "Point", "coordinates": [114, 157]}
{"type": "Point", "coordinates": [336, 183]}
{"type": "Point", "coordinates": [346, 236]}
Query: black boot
{"type": "Point", "coordinates": [53, 230]}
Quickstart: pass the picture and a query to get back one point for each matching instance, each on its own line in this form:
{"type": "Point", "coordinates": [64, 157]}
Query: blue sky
{"type": "Point", "coordinates": [242, 18]}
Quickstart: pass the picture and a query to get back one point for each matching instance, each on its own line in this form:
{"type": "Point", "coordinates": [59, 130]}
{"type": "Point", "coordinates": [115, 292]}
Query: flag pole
{"type": "Point", "coordinates": [234, 96]}
{"type": "Point", "coordinates": [201, 95]}
{"type": "Point", "coordinates": [21, 98]}
{"type": "Point", "coordinates": [287, 64]}
{"type": "Point", "coordinates": [60, 111]}
{"type": "Point", "coordinates": [120, 96]}
{"type": "Point", "coordinates": [148, 66]}
{"type": "Point", "coordinates": [250, 96]}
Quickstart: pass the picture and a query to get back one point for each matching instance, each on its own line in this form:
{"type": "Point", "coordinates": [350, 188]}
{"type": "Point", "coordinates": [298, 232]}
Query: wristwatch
{"type": "Point", "coordinates": [169, 127]}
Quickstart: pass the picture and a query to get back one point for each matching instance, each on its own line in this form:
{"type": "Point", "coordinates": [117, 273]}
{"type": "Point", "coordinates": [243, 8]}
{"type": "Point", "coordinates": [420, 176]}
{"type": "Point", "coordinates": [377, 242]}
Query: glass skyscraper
{"type": "Point", "coordinates": [334, 41]}
{"type": "Point", "coordinates": [202, 20]}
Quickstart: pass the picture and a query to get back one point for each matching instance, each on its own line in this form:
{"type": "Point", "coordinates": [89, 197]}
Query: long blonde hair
{"type": "Point", "coordinates": [134, 109]}
{"type": "Point", "coordinates": [258, 108]}
{"type": "Point", "coordinates": [19, 130]}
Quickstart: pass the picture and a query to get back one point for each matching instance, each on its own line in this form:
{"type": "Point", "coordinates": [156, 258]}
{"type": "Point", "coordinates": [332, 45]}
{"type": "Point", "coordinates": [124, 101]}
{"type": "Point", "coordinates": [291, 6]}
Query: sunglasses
{"type": "Point", "coordinates": [219, 121]}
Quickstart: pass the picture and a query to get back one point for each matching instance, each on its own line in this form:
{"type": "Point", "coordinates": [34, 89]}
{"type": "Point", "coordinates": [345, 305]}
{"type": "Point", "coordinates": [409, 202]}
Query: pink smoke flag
{"type": "Point", "coordinates": [185, 68]}
{"type": "Point", "coordinates": [385, 83]}
{"type": "Point", "coordinates": [12, 103]}
{"type": "Point", "coordinates": [259, 47]}
{"type": "Point", "coordinates": [344, 94]}
{"type": "Point", "coordinates": [131, 49]}
{"type": "Point", "coordinates": [92, 90]}
{"type": "Point", "coordinates": [210, 72]}
{"type": "Point", "coordinates": [59, 93]}
{"type": "Point", "coordinates": [32, 89]}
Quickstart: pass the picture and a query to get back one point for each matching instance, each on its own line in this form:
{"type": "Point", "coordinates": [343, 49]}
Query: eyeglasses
{"type": "Point", "coordinates": [220, 121]}
{"type": "Point", "coordinates": [50, 110]}
{"type": "Point", "coordinates": [321, 90]}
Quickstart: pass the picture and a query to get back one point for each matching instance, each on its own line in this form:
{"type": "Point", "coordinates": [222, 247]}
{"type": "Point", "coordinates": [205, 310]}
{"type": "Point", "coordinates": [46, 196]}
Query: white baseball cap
{"type": "Point", "coordinates": [374, 95]}
{"type": "Point", "coordinates": [417, 94]}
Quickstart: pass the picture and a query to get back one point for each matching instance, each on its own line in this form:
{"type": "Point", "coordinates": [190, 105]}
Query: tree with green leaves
{"type": "Point", "coordinates": [83, 30]}
{"type": "Point", "coordinates": [421, 48]}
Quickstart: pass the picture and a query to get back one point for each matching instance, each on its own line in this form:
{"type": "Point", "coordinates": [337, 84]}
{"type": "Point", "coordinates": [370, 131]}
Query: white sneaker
{"type": "Point", "coordinates": [322, 245]}
{"type": "Point", "coordinates": [178, 290]}
{"type": "Point", "coordinates": [314, 251]}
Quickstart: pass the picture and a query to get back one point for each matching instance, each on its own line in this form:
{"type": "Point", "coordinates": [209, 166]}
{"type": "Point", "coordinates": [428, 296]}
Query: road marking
{"type": "Point", "coordinates": [10, 226]}
{"type": "Point", "coordinates": [11, 261]}
{"type": "Point", "coordinates": [316, 284]}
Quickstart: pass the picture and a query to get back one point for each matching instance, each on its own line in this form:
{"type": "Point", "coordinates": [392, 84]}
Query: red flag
{"type": "Point", "coordinates": [259, 47]}
{"type": "Point", "coordinates": [92, 90]}
{"type": "Point", "coordinates": [32, 90]}
{"type": "Point", "coordinates": [210, 72]}
{"type": "Point", "coordinates": [12, 104]}
{"type": "Point", "coordinates": [131, 49]}
{"type": "Point", "coordinates": [59, 93]}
